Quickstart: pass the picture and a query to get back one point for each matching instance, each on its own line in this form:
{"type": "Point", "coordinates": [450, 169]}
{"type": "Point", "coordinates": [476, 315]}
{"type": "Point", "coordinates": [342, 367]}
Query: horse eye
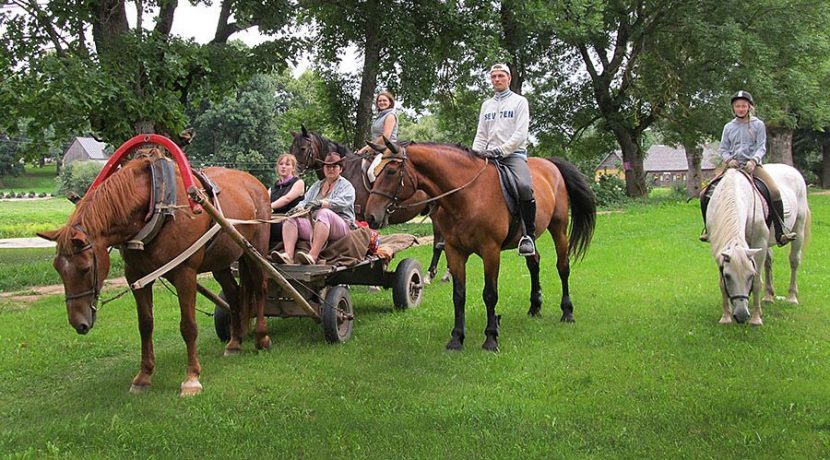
{"type": "Point", "coordinates": [727, 276]}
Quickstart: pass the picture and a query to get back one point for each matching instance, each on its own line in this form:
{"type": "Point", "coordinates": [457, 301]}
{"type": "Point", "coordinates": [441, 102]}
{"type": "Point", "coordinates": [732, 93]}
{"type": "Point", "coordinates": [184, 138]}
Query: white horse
{"type": "Point", "coordinates": [740, 238]}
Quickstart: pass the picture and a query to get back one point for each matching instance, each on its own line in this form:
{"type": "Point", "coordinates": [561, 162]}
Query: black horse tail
{"type": "Point", "coordinates": [583, 208]}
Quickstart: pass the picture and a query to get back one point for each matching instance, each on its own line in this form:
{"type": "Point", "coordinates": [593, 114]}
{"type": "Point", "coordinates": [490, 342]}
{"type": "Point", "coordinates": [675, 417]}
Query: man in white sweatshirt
{"type": "Point", "coordinates": [502, 136]}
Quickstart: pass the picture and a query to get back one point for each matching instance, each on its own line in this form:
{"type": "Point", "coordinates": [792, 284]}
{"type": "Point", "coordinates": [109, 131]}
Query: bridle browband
{"type": "Point", "coordinates": [395, 199]}
{"type": "Point", "coordinates": [94, 291]}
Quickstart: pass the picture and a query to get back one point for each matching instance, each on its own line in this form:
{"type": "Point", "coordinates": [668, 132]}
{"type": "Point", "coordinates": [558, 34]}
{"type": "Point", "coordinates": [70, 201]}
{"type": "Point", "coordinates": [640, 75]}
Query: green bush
{"type": "Point", "coordinates": [76, 177]}
{"type": "Point", "coordinates": [609, 190]}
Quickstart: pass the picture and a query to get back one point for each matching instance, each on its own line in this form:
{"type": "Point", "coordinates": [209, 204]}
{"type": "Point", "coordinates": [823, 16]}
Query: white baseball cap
{"type": "Point", "coordinates": [500, 68]}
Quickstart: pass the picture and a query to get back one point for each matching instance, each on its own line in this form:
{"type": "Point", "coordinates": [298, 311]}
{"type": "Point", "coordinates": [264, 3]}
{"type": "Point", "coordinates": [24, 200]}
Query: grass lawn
{"type": "Point", "coordinates": [646, 371]}
{"type": "Point", "coordinates": [33, 179]}
{"type": "Point", "coordinates": [24, 218]}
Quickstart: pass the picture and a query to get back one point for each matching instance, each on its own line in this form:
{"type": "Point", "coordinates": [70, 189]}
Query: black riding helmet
{"type": "Point", "coordinates": [743, 95]}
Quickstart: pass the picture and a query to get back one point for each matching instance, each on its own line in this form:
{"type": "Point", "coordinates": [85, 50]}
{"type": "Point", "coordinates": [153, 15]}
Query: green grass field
{"type": "Point", "coordinates": [34, 179]}
{"type": "Point", "coordinates": [646, 371]}
{"type": "Point", "coordinates": [24, 218]}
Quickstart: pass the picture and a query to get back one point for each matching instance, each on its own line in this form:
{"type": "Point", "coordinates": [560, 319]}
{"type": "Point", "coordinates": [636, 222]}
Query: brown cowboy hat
{"type": "Point", "coordinates": [333, 158]}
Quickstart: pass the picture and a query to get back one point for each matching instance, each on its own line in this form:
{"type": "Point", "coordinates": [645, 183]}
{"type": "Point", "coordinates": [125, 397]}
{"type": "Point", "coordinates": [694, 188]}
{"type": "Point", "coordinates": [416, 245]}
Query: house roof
{"type": "Point", "coordinates": [93, 148]}
{"type": "Point", "coordinates": [664, 158]}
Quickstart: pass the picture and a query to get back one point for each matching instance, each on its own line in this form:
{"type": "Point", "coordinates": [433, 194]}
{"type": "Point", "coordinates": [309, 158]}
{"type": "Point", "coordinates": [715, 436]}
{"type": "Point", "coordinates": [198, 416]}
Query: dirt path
{"type": "Point", "coordinates": [33, 293]}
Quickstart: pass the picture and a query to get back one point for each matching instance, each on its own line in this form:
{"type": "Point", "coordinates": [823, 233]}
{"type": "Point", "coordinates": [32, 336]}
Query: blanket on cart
{"type": "Point", "coordinates": [357, 246]}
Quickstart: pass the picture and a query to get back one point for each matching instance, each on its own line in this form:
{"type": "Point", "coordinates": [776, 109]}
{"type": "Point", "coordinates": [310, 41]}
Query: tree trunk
{"type": "Point", "coordinates": [635, 176]}
{"type": "Point", "coordinates": [780, 145]}
{"type": "Point", "coordinates": [369, 80]}
{"type": "Point", "coordinates": [694, 175]}
{"type": "Point", "coordinates": [825, 159]}
{"type": "Point", "coordinates": [511, 40]}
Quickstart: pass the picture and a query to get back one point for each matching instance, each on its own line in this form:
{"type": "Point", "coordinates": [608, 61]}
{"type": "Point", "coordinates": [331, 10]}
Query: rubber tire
{"type": "Point", "coordinates": [222, 321]}
{"type": "Point", "coordinates": [408, 275]}
{"type": "Point", "coordinates": [337, 296]}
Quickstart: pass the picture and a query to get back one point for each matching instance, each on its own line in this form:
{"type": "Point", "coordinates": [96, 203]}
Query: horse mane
{"type": "Point", "coordinates": [109, 203]}
{"type": "Point", "coordinates": [456, 147]}
{"type": "Point", "coordinates": [726, 227]}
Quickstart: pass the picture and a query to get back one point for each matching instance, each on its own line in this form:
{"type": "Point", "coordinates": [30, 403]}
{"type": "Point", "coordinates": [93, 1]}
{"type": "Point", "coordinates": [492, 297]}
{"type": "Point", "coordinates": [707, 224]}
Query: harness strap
{"type": "Point", "coordinates": [144, 281]}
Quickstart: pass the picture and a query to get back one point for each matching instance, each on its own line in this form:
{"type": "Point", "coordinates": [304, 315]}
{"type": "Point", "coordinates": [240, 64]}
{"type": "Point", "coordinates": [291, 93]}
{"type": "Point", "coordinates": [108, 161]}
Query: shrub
{"type": "Point", "coordinates": [609, 190]}
{"type": "Point", "coordinates": [77, 176]}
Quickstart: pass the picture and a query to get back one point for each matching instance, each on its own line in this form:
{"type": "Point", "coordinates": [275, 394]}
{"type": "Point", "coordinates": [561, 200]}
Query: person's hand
{"type": "Point", "coordinates": [750, 165]}
{"type": "Point", "coordinates": [733, 163]}
{"type": "Point", "coordinates": [313, 205]}
{"type": "Point", "coordinates": [490, 153]}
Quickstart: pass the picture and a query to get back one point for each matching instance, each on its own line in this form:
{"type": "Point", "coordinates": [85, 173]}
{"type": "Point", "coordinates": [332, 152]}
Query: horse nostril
{"type": "Point", "coordinates": [82, 329]}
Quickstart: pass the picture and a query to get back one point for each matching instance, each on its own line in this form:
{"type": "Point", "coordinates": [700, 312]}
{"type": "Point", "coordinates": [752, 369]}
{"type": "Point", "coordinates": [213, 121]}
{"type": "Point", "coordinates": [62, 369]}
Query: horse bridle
{"type": "Point", "coordinates": [395, 199]}
{"type": "Point", "coordinates": [731, 297]}
{"type": "Point", "coordinates": [311, 153]}
{"type": "Point", "coordinates": [94, 291]}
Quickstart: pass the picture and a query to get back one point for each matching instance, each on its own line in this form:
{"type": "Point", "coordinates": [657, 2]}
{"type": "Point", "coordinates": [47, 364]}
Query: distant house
{"type": "Point", "coordinates": [663, 165]}
{"type": "Point", "coordinates": [85, 149]}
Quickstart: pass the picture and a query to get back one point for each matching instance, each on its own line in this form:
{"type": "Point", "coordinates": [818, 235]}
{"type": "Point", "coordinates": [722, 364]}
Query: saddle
{"type": "Point", "coordinates": [757, 184]}
{"type": "Point", "coordinates": [507, 181]}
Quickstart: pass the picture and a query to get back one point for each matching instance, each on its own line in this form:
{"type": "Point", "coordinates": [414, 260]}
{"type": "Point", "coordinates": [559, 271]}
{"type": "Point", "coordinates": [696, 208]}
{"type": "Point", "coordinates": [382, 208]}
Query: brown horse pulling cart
{"type": "Point", "coordinates": [121, 209]}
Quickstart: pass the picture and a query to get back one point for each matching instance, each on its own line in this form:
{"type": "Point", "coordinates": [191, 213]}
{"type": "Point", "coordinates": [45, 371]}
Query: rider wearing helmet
{"type": "Point", "coordinates": [743, 145]}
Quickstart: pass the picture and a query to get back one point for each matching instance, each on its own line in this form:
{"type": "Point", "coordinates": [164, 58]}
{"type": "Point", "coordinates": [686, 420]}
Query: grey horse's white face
{"type": "Point", "coordinates": [737, 274]}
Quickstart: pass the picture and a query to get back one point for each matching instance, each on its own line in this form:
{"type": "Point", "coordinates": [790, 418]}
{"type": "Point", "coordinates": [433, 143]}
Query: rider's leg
{"type": "Point", "coordinates": [704, 205]}
{"type": "Point", "coordinates": [527, 205]}
{"type": "Point", "coordinates": [781, 237]}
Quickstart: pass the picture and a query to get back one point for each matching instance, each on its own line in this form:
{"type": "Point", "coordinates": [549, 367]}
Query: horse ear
{"type": "Point", "coordinates": [78, 239]}
{"type": "Point", "coordinates": [293, 133]}
{"type": "Point", "coordinates": [73, 197]}
{"type": "Point", "coordinates": [305, 131]}
{"type": "Point", "coordinates": [752, 252]}
{"type": "Point", "coordinates": [726, 255]}
{"type": "Point", "coordinates": [390, 146]}
{"type": "Point", "coordinates": [51, 235]}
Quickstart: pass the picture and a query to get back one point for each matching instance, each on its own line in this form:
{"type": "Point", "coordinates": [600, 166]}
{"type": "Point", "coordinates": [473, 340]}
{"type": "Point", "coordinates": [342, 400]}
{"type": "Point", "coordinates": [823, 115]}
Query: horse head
{"type": "Point", "coordinates": [394, 183]}
{"type": "Point", "coordinates": [306, 150]}
{"type": "Point", "coordinates": [737, 277]}
{"type": "Point", "coordinates": [82, 266]}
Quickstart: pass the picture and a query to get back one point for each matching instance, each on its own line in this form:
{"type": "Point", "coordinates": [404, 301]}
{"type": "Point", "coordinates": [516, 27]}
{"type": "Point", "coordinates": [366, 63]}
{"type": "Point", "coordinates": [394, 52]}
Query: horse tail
{"type": "Point", "coordinates": [808, 221]}
{"type": "Point", "coordinates": [583, 208]}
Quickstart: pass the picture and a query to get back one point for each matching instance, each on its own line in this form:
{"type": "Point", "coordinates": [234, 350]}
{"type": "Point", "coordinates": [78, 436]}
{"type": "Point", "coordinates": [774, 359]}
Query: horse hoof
{"type": "Point", "coordinates": [232, 351]}
{"type": "Point", "coordinates": [264, 344]}
{"type": "Point", "coordinates": [138, 389]}
{"type": "Point", "coordinates": [490, 344]}
{"type": "Point", "coordinates": [191, 388]}
{"type": "Point", "coordinates": [725, 320]}
{"type": "Point", "coordinates": [567, 318]}
{"type": "Point", "coordinates": [792, 300]}
{"type": "Point", "coordinates": [768, 299]}
{"type": "Point", "coordinates": [454, 345]}
{"type": "Point", "coordinates": [535, 312]}
{"type": "Point", "coordinates": [756, 323]}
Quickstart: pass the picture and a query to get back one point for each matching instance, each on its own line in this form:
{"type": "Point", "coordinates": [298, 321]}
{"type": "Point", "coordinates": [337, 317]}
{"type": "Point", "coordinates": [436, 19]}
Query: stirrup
{"type": "Point", "coordinates": [526, 247]}
{"type": "Point", "coordinates": [785, 238]}
{"type": "Point", "coordinates": [704, 237]}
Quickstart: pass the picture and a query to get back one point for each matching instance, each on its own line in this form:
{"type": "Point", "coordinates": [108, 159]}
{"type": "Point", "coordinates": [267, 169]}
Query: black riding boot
{"type": "Point", "coordinates": [527, 247]}
{"type": "Point", "coordinates": [778, 224]}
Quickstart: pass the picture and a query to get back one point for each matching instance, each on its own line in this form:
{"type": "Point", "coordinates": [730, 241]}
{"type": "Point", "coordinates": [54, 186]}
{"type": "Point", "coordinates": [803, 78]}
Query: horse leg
{"type": "Point", "coordinates": [185, 281]}
{"type": "Point", "coordinates": [560, 240]}
{"type": "Point", "coordinates": [231, 290]}
{"type": "Point", "coordinates": [254, 296]}
{"type": "Point", "coordinates": [491, 298]}
{"type": "Point", "coordinates": [769, 290]}
{"type": "Point", "coordinates": [795, 260]}
{"type": "Point", "coordinates": [727, 309]}
{"type": "Point", "coordinates": [532, 263]}
{"type": "Point", "coordinates": [457, 263]}
{"type": "Point", "coordinates": [755, 319]}
{"type": "Point", "coordinates": [437, 247]}
{"type": "Point", "coordinates": [144, 305]}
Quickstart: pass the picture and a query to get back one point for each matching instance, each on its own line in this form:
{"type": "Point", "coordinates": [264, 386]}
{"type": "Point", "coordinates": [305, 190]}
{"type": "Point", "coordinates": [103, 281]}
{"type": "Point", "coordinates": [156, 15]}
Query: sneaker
{"type": "Point", "coordinates": [304, 258]}
{"type": "Point", "coordinates": [526, 247]}
{"type": "Point", "coordinates": [281, 258]}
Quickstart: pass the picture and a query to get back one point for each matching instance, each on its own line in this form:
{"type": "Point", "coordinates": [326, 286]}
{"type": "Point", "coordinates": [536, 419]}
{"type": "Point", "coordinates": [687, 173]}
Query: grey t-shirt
{"type": "Point", "coordinates": [380, 119]}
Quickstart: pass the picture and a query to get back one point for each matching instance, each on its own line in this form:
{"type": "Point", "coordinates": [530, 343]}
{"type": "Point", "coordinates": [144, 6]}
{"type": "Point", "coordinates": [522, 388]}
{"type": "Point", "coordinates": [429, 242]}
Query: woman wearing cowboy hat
{"type": "Point", "coordinates": [331, 201]}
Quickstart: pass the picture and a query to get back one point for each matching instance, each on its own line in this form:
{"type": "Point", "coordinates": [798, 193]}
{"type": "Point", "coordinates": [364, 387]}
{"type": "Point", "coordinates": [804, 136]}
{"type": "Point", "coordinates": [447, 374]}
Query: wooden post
{"type": "Point", "coordinates": [251, 251]}
{"type": "Point", "coordinates": [218, 301]}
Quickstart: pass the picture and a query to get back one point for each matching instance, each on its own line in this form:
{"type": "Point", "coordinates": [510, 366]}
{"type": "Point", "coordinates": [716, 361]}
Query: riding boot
{"type": "Point", "coordinates": [778, 223]}
{"type": "Point", "coordinates": [527, 247]}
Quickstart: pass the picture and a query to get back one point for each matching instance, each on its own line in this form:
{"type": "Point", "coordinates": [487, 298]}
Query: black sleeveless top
{"type": "Point", "coordinates": [278, 191]}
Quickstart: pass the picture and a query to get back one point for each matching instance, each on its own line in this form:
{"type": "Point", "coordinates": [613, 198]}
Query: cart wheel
{"type": "Point", "coordinates": [222, 321]}
{"type": "Point", "coordinates": [409, 284]}
{"type": "Point", "coordinates": [338, 314]}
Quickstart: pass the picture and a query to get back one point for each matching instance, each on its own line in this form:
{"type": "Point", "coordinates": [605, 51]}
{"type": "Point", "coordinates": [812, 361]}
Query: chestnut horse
{"type": "Point", "coordinates": [115, 211]}
{"type": "Point", "coordinates": [475, 218]}
{"type": "Point", "coordinates": [311, 148]}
